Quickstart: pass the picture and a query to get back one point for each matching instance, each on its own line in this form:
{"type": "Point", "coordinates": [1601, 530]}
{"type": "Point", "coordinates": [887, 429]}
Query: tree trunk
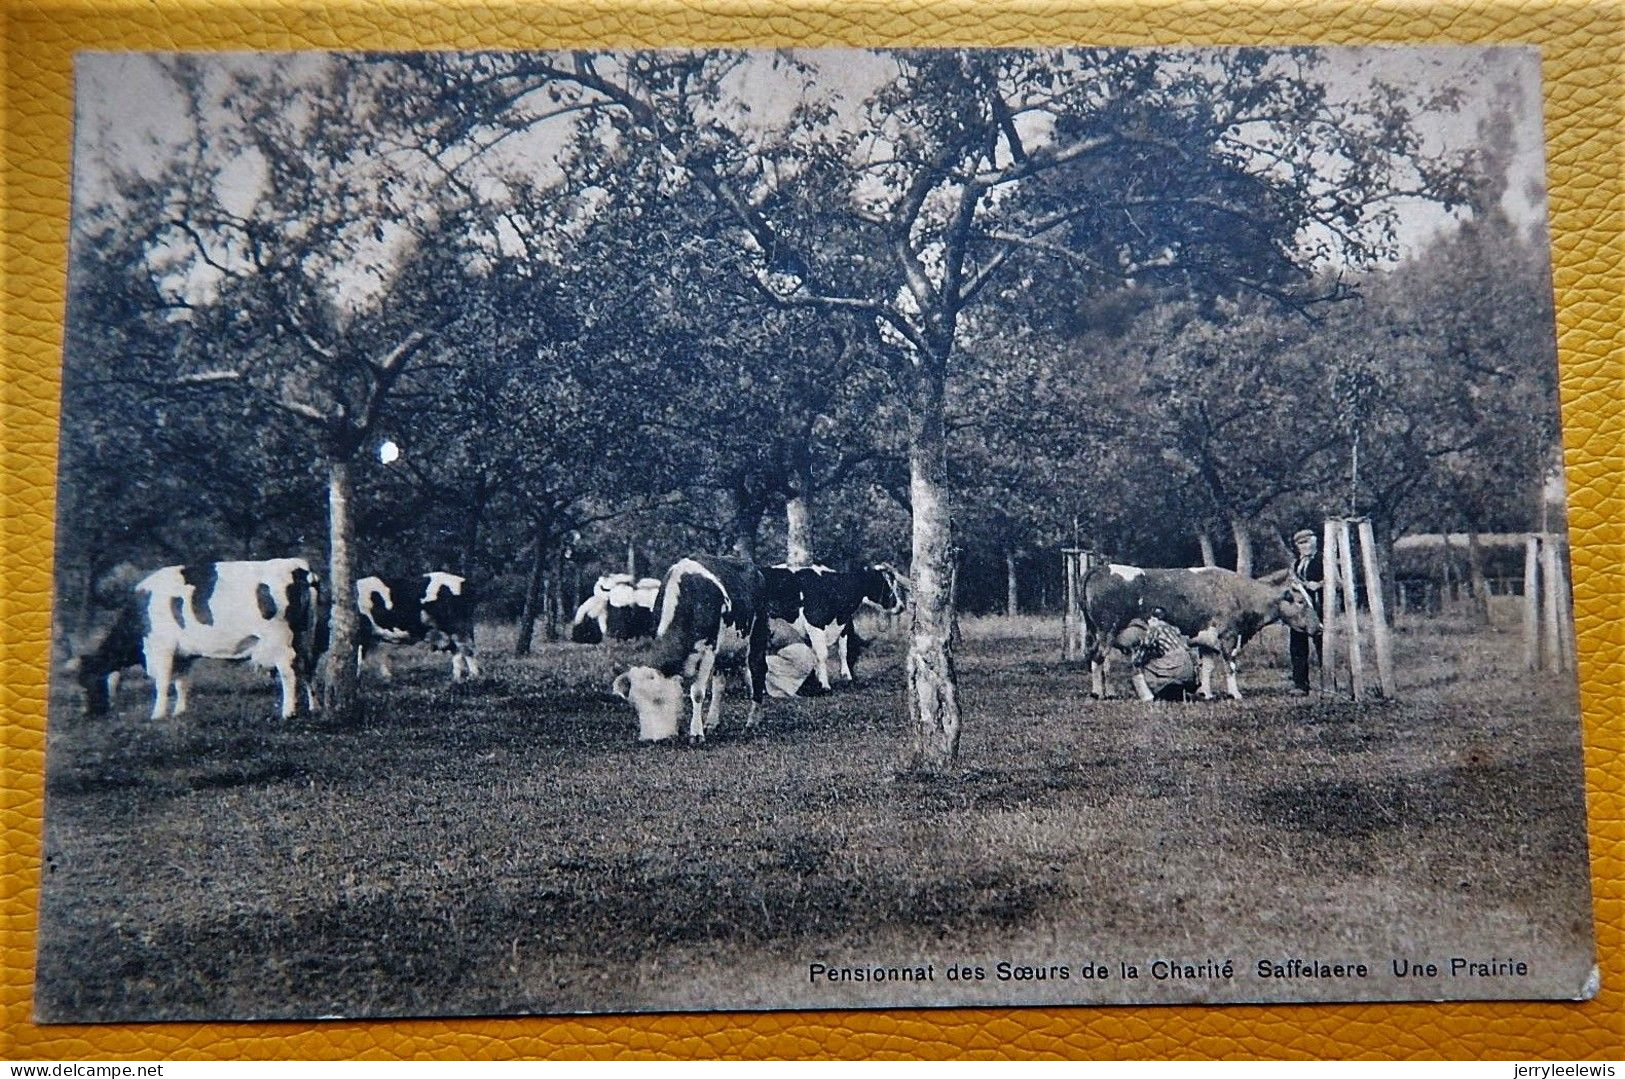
{"type": "Point", "coordinates": [747, 521]}
{"type": "Point", "coordinates": [1244, 546]}
{"type": "Point", "coordinates": [563, 599]}
{"type": "Point", "coordinates": [340, 696]}
{"type": "Point", "coordinates": [1011, 606]}
{"type": "Point", "coordinates": [798, 511]}
{"type": "Point", "coordinates": [933, 690]}
{"type": "Point", "coordinates": [532, 606]}
{"type": "Point", "coordinates": [1475, 577]}
{"type": "Point", "coordinates": [1205, 541]}
{"type": "Point", "coordinates": [471, 532]}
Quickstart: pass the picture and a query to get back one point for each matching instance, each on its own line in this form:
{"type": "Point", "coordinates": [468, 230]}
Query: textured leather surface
{"type": "Point", "coordinates": [1581, 42]}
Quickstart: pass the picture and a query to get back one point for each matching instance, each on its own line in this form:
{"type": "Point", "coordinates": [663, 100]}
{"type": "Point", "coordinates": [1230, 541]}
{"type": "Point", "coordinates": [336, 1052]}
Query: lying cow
{"type": "Point", "coordinates": [1218, 610]}
{"type": "Point", "coordinates": [620, 608]}
{"type": "Point", "coordinates": [713, 621]}
{"type": "Point", "coordinates": [823, 604]}
{"type": "Point", "coordinates": [435, 608]}
{"type": "Point", "coordinates": [267, 613]}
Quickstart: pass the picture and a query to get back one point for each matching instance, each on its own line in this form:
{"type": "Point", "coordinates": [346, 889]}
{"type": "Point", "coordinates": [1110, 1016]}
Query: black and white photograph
{"type": "Point", "coordinates": [693, 530]}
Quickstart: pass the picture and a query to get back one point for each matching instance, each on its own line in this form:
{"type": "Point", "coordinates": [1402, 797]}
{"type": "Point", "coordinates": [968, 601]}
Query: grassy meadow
{"type": "Point", "coordinates": [507, 847]}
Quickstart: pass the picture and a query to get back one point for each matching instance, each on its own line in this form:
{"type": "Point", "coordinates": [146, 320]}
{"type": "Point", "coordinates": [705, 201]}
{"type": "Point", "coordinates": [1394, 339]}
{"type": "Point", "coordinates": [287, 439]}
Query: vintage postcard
{"type": "Point", "coordinates": [674, 530]}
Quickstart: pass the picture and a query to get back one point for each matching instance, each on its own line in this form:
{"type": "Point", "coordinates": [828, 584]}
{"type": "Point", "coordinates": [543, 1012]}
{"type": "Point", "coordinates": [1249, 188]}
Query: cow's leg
{"type": "Point", "coordinates": [1204, 688]}
{"type": "Point", "coordinates": [288, 678]}
{"type": "Point", "coordinates": [113, 680]}
{"type": "Point", "coordinates": [714, 715]}
{"type": "Point", "coordinates": [1230, 686]}
{"type": "Point", "coordinates": [841, 648]}
{"type": "Point", "coordinates": [463, 664]}
{"type": "Point", "coordinates": [181, 686]}
{"type": "Point", "coordinates": [818, 640]}
{"type": "Point", "coordinates": [160, 664]}
{"type": "Point", "coordinates": [756, 667]}
{"type": "Point", "coordinates": [1097, 676]}
{"type": "Point", "coordinates": [696, 694]}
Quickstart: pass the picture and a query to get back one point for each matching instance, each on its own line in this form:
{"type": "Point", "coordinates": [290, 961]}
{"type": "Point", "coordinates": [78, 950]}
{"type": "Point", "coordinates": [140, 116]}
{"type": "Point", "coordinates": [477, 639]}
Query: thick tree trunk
{"type": "Point", "coordinates": [1011, 605]}
{"type": "Point", "coordinates": [1205, 542]}
{"type": "Point", "coordinates": [532, 606]}
{"type": "Point", "coordinates": [1244, 546]}
{"type": "Point", "coordinates": [798, 513]}
{"type": "Point", "coordinates": [933, 690]}
{"type": "Point", "coordinates": [339, 696]}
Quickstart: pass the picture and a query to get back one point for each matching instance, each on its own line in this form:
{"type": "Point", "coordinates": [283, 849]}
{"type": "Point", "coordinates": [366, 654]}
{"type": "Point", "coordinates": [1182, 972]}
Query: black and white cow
{"type": "Point", "coordinates": [823, 603]}
{"type": "Point", "coordinates": [1217, 609]}
{"type": "Point", "coordinates": [436, 608]}
{"type": "Point", "coordinates": [713, 621]}
{"type": "Point", "coordinates": [620, 608]}
{"type": "Point", "coordinates": [267, 613]}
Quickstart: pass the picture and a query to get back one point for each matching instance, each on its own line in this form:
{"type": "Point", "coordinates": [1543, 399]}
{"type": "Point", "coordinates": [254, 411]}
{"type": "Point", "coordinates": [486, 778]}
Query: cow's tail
{"type": "Point", "coordinates": [1092, 582]}
{"type": "Point", "coordinates": [311, 618]}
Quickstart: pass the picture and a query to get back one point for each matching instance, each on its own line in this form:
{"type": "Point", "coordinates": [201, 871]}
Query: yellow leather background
{"type": "Point", "coordinates": [1581, 43]}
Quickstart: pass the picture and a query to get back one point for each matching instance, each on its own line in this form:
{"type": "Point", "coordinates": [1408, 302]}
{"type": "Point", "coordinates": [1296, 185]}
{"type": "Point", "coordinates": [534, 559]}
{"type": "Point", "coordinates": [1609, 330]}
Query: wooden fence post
{"type": "Point", "coordinates": [1068, 612]}
{"type": "Point", "coordinates": [1565, 607]}
{"type": "Point", "coordinates": [1531, 603]}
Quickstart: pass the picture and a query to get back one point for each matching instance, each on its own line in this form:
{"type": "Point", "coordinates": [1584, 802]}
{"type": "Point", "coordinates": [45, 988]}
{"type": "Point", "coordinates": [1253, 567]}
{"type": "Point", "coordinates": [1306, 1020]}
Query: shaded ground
{"type": "Point", "coordinates": [509, 848]}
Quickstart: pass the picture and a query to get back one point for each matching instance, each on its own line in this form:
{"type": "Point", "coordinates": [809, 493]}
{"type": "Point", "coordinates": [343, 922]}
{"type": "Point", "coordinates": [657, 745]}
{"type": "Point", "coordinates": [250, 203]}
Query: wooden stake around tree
{"type": "Point", "coordinates": [1351, 608]}
{"type": "Point", "coordinates": [1328, 606]}
{"type": "Point", "coordinates": [1379, 613]}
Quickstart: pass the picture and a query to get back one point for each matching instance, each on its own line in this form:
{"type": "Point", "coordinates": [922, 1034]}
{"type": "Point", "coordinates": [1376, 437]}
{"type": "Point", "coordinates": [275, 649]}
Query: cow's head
{"type": "Point", "coordinates": [1296, 608]}
{"type": "Point", "coordinates": [657, 699]}
{"type": "Point", "coordinates": [884, 588]}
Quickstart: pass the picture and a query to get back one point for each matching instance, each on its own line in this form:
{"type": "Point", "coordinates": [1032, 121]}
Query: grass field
{"type": "Point", "coordinates": [508, 847]}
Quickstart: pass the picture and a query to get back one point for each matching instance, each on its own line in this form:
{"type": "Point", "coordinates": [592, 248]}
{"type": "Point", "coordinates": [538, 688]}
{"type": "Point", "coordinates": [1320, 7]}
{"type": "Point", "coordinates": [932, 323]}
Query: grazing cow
{"type": "Point", "coordinates": [713, 620]}
{"type": "Point", "coordinates": [1218, 610]}
{"type": "Point", "coordinates": [268, 613]}
{"type": "Point", "coordinates": [620, 608]}
{"type": "Point", "coordinates": [823, 603]}
{"type": "Point", "coordinates": [437, 608]}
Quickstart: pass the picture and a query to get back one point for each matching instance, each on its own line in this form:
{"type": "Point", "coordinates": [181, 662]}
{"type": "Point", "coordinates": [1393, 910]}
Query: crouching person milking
{"type": "Point", "coordinates": [1165, 666]}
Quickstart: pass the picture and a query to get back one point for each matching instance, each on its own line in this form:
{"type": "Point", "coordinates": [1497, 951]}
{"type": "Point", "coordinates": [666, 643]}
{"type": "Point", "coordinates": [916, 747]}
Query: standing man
{"type": "Point", "coordinates": [1307, 567]}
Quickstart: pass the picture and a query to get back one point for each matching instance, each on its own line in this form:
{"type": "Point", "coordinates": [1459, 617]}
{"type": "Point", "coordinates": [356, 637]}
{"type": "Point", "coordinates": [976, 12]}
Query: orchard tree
{"type": "Point", "coordinates": [302, 248]}
{"type": "Point", "coordinates": [963, 176]}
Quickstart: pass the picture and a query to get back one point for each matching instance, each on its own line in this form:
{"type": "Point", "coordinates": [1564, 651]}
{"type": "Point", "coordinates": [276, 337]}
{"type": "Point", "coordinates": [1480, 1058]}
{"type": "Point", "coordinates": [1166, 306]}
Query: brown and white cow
{"type": "Point", "coordinates": [268, 613]}
{"type": "Point", "coordinates": [823, 603]}
{"type": "Point", "coordinates": [1219, 610]}
{"type": "Point", "coordinates": [713, 621]}
{"type": "Point", "coordinates": [435, 608]}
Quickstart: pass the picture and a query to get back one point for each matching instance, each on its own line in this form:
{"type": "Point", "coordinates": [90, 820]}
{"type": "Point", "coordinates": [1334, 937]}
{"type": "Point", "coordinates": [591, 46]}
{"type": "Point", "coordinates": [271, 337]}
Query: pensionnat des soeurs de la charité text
{"type": "Point", "coordinates": [1273, 969]}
